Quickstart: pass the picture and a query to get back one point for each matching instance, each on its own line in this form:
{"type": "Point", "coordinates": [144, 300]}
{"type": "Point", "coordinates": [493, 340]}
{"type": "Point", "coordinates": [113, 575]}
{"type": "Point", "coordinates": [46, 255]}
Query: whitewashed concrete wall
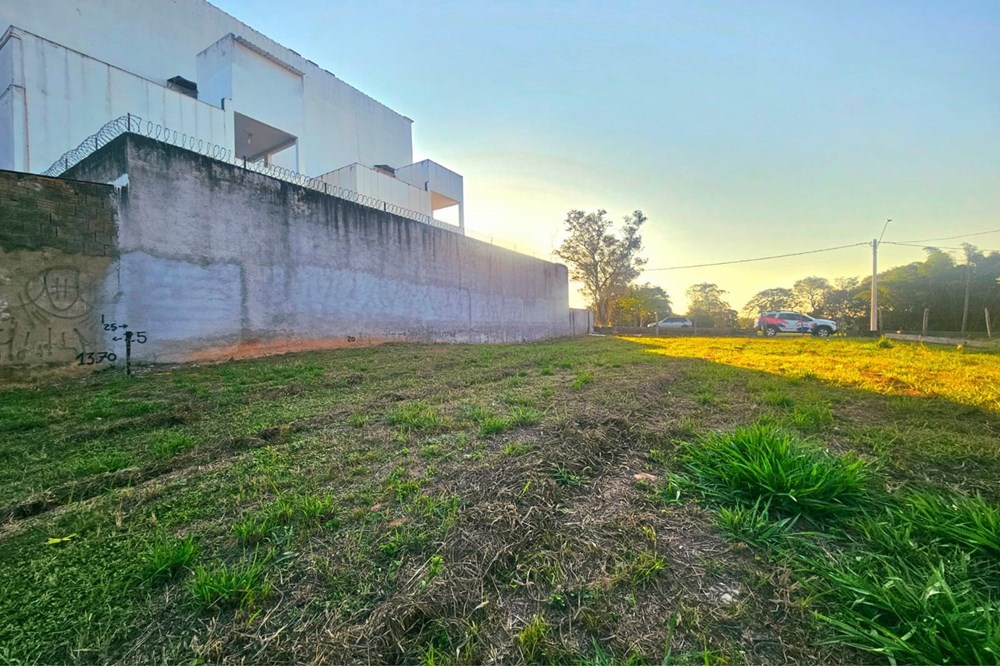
{"type": "Point", "coordinates": [216, 262]}
{"type": "Point", "coordinates": [433, 177]}
{"type": "Point", "coordinates": [159, 39]}
{"type": "Point", "coordinates": [372, 183]}
{"type": "Point", "coordinates": [69, 96]}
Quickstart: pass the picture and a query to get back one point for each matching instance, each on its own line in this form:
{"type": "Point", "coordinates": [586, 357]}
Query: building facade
{"type": "Point", "coordinates": [67, 67]}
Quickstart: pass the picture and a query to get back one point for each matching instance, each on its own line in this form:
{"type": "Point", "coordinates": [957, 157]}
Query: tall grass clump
{"type": "Point", "coordinates": [415, 416]}
{"type": "Point", "coordinates": [167, 557]}
{"type": "Point", "coordinates": [241, 584]}
{"type": "Point", "coordinates": [962, 521]}
{"type": "Point", "coordinates": [763, 464]}
{"type": "Point", "coordinates": [910, 611]}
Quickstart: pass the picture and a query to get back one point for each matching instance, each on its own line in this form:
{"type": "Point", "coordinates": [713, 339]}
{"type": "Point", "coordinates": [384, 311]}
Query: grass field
{"type": "Point", "coordinates": [797, 501]}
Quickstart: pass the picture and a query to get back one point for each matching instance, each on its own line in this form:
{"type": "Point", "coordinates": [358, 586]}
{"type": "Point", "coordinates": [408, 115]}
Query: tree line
{"type": "Point", "coordinates": [949, 291]}
{"type": "Point", "coordinates": [607, 262]}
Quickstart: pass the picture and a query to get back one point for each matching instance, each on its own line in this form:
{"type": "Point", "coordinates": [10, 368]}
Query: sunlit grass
{"type": "Point", "coordinates": [972, 378]}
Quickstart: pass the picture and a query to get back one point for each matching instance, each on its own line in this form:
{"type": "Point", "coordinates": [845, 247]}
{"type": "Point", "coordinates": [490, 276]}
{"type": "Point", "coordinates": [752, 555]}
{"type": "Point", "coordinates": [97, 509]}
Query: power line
{"type": "Point", "coordinates": [918, 245]}
{"type": "Point", "coordinates": [758, 259]}
{"type": "Point", "coordinates": [937, 247]}
{"type": "Point", "coordinates": [960, 236]}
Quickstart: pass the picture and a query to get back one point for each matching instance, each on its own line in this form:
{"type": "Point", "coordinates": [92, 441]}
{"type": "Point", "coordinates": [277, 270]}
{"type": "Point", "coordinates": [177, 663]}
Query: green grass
{"type": "Point", "coordinates": [912, 612]}
{"type": "Point", "coordinates": [473, 504]}
{"type": "Point", "coordinates": [525, 416]}
{"type": "Point", "coordinates": [761, 464]}
{"type": "Point", "coordinates": [165, 444]}
{"type": "Point", "coordinates": [532, 638]}
{"type": "Point", "coordinates": [493, 425]}
{"type": "Point", "coordinates": [415, 416]}
{"type": "Point", "coordinates": [167, 557]}
{"type": "Point", "coordinates": [241, 585]}
{"type": "Point", "coordinates": [638, 569]}
{"type": "Point", "coordinates": [565, 477]}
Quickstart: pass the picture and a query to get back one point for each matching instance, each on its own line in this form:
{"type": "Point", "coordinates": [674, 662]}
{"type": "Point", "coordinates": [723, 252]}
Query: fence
{"type": "Point", "coordinates": [132, 124]}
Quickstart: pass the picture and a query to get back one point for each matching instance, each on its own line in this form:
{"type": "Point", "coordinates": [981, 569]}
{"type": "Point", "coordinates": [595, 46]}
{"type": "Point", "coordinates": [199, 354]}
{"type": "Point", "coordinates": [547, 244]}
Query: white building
{"type": "Point", "coordinates": [67, 67]}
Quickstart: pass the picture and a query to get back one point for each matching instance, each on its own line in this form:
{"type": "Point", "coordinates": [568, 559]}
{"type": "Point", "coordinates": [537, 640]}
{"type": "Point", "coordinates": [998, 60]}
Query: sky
{"type": "Point", "coordinates": [740, 129]}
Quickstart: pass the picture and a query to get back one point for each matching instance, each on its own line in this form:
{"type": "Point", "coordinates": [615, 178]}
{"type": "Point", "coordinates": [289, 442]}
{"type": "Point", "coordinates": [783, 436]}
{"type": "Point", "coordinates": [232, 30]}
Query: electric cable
{"type": "Point", "coordinates": [960, 236]}
{"type": "Point", "coordinates": [758, 259]}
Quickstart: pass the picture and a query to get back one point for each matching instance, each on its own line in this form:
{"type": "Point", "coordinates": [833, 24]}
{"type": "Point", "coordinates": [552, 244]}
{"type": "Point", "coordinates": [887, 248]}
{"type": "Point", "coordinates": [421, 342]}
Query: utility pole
{"type": "Point", "coordinates": [965, 309]}
{"type": "Point", "coordinates": [873, 324]}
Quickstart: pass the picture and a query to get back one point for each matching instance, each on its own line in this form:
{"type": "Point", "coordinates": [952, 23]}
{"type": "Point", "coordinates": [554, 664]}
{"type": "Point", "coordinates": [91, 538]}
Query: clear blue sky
{"type": "Point", "coordinates": [740, 128]}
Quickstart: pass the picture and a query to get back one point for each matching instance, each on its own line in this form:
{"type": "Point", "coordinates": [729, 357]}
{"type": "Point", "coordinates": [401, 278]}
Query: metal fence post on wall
{"type": "Point", "coordinates": [989, 332]}
{"type": "Point", "coordinates": [927, 314]}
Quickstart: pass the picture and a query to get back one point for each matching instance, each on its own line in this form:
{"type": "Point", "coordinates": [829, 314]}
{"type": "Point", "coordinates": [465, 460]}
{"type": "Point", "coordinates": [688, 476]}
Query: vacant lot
{"type": "Point", "coordinates": [797, 501]}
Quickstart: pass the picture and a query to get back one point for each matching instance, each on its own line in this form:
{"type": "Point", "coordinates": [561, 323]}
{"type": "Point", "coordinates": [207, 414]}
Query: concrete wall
{"type": "Point", "coordinates": [581, 321]}
{"type": "Point", "coordinates": [216, 261]}
{"type": "Point", "coordinates": [69, 96]}
{"type": "Point", "coordinates": [155, 40]}
{"type": "Point", "coordinates": [58, 270]}
{"type": "Point", "coordinates": [372, 183]}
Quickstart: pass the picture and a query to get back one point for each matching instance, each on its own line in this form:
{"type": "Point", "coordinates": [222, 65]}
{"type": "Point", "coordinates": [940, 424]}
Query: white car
{"type": "Point", "coordinates": [672, 322]}
{"type": "Point", "coordinates": [772, 323]}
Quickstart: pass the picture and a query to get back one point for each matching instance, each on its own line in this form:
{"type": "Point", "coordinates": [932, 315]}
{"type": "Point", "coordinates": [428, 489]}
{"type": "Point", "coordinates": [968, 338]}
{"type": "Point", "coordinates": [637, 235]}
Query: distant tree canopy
{"type": "Point", "coordinates": [810, 294]}
{"type": "Point", "coordinates": [708, 308]}
{"type": "Point", "coordinates": [940, 285]}
{"type": "Point", "coordinates": [937, 283]}
{"type": "Point", "coordinates": [775, 298]}
{"type": "Point", "coordinates": [605, 263]}
{"type": "Point", "coordinates": [640, 305]}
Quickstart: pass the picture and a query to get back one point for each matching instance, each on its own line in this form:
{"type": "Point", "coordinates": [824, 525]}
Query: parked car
{"type": "Point", "coordinates": [672, 322]}
{"type": "Point", "coordinates": [771, 323]}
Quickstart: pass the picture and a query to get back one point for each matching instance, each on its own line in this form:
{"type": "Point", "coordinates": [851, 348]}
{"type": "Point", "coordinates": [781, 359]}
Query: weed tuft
{"type": "Point", "coordinates": [751, 524]}
{"type": "Point", "coordinates": [167, 557]}
{"type": "Point", "coordinates": [912, 613]}
{"type": "Point", "coordinates": [810, 417]}
{"type": "Point", "coordinates": [762, 464]}
{"type": "Point", "coordinates": [416, 416]}
{"type": "Point", "coordinates": [533, 637]}
{"type": "Point", "coordinates": [493, 425]}
{"type": "Point", "coordinates": [582, 378]}
{"type": "Point", "coordinates": [239, 585]}
{"type": "Point", "coordinates": [517, 449]}
{"type": "Point", "coordinates": [639, 568]}
{"type": "Point", "coordinates": [565, 477]}
{"type": "Point", "coordinates": [882, 343]}
{"type": "Point", "coordinates": [525, 416]}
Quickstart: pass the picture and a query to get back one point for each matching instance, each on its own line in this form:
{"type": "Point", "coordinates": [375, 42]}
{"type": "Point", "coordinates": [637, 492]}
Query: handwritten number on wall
{"type": "Point", "coordinates": [91, 358]}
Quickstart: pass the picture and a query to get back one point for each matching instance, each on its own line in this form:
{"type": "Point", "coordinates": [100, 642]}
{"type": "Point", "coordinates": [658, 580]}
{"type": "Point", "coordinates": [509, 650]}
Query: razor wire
{"type": "Point", "coordinates": [133, 124]}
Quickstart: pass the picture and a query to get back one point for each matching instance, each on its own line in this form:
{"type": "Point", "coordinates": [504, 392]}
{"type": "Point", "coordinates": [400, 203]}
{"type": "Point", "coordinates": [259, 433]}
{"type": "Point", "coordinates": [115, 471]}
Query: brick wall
{"type": "Point", "coordinates": [58, 249]}
{"type": "Point", "coordinates": [74, 217]}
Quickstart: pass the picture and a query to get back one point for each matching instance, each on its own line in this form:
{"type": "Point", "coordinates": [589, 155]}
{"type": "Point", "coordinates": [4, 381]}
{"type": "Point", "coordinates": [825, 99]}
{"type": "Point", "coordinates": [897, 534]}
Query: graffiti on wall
{"type": "Point", "coordinates": [49, 318]}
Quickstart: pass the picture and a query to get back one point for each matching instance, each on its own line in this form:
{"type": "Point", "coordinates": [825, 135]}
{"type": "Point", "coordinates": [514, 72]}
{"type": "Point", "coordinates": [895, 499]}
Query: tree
{"type": "Point", "coordinates": [809, 294]}
{"type": "Point", "coordinates": [708, 308]}
{"type": "Point", "coordinates": [602, 261]}
{"type": "Point", "coordinates": [776, 298]}
{"type": "Point", "coordinates": [847, 304]}
{"type": "Point", "coordinates": [640, 304]}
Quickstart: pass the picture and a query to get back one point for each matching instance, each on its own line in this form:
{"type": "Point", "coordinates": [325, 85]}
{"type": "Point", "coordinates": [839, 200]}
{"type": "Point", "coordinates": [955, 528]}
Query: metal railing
{"type": "Point", "coordinates": [132, 124]}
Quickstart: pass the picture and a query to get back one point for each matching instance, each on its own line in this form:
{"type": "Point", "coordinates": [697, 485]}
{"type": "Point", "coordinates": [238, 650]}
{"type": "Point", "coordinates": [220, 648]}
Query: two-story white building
{"type": "Point", "coordinates": [67, 67]}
